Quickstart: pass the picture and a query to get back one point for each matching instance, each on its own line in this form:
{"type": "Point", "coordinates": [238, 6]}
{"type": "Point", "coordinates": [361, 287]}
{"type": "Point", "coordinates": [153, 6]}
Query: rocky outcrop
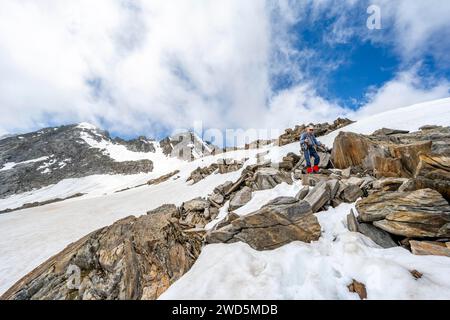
{"type": "Point", "coordinates": [265, 178]}
{"type": "Point", "coordinates": [163, 178]}
{"type": "Point", "coordinates": [383, 158]}
{"type": "Point", "coordinates": [229, 165]}
{"type": "Point", "coordinates": [135, 258]}
{"type": "Point", "coordinates": [391, 154]}
{"type": "Point", "coordinates": [433, 172]}
{"type": "Point", "coordinates": [280, 222]}
{"type": "Point", "coordinates": [293, 135]}
{"type": "Point", "coordinates": [201, 173]}
{"type": "Point", "coordinates": [419, 214]}
{"type": "Point", "coordinates": [197, 213]}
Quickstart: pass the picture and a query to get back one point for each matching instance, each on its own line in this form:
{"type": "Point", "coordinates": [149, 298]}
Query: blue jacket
{"type": "Point", "coordinates": [311, 138]}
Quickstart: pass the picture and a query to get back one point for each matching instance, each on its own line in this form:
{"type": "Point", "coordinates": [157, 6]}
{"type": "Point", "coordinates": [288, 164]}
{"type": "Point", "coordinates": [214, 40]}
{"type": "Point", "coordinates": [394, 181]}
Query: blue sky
{"type": "Point", "coordinates": [153, 67]}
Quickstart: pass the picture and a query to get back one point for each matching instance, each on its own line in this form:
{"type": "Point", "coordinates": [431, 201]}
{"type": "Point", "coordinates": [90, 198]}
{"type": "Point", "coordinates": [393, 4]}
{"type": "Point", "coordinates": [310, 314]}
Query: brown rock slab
{"type": "Point", "coordinates": [425, 248]}
{"type": "Point", "coordinates": [280, 222]}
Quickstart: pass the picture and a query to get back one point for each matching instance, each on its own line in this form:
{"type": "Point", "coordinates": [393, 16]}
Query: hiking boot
{"type": "Point", "coordinates": [316, 169]}
{"type": "Point", "coordinates": [309, 170]}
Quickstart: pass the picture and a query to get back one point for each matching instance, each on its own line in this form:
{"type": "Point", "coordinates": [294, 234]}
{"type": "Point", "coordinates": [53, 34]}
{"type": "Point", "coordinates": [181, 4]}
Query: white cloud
{"type": "Point", "coordinates": [406, 89]}
{"type": "Point", "coordinates": [143, 67]}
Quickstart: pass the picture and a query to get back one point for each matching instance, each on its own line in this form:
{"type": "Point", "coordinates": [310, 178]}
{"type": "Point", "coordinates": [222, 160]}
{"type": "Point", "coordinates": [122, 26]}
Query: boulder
{"type": "Point", "coordinates": [268, 178]}
{"type": "Point", "coordinates": [419, 214]}
{"type": "Point", "coordinates": [319, 196]}
{"type": "Point", "coordinates": [197, 204]}
{"type": "Point", "coordinates": [334, 187]}
{"type": "Point", "coordinates": [217, 198]}
{"type": "Point", "coordinates": [389, 184]}
{"type": "Point", "coordinates": [313, 180]}
{"type": "Point", "coordinates": [380, 237]}
{"type": "Point", "coordinates": [278, 223]}
{"type": "Point", "coordinates": [135, 258]}
{"type": "Point", "coordinates": [425, 202]}
{"type": "Point", "coordinates": [433, 172]}
{"type": "Point", "coordinates": [351, 193]}
{"type": "Point", "coordinates": [224, 188]}
{"type": "Point", "coordinates": [241, 198]}
{"type": "Point", "coordinates": [385, 158]}
{"type": "Point", "coordinates": [388, 132]}
{"type": "Point", "coordinates": [426, 248]}
{"type": "Point", "coordinates": [302, 193]}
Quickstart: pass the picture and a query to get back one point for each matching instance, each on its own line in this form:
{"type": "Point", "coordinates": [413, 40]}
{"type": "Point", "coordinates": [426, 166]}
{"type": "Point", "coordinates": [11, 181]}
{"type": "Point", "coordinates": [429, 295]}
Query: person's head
{"type": "Point", "coordinates": [310, 129]}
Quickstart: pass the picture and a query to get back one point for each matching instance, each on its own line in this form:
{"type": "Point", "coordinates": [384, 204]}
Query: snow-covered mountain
{"type": "Point", "coordinates": [298, 270]}
{"type": "Point", "coordinates": [46, 157]}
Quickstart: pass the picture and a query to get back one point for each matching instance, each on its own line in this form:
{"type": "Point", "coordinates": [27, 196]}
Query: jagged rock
{"type": "Point", "coordinates": [425, 248]}
{"type": "Point", "coordinates": [389, 184]}
{"type": "Point", "coordinates": [351, 193]}
{"type": "Point", "coordinates": [408, 185]}
{"type": "Point", "coordinates": [421, 203]}
{"type": "Point", "coordinates": [359, 288]}
{"type": "Point", "coordinates": [278, 223]}
{"type": "Point", "coordinates": [293, 135]}
{"type": "Point", "coordinates": [384, 158]}
{"type": "Point", "coordinates": [302, 193]}
{"type": "Point", "coordinates": [319, 196]}
{"type": "Point", "coordinates": [135, 258]}
{"type": "Point", "coordinates": [380, 237]}
{"type": "Point", "coordinates": [229, 165]}
{"type": "Point", "coordinates": [268, 178]}
{"type": "Point", "coordinates": [197, 204]}
{"type": "Point", "coordinates": [201, 173]}
{"type": "Point", "coordinates": [346, 173]}
{"type": "Point", "coordinates": [433, 172]}
{"type": "Point", "coordinates": [224, 188]}
{"type": "Point", "coordinates": [241, 198]}
{"type": "Point", "coordinates": [352, 223]}
{"type": "Point", "coordinates": [334, 187]}
{"type": "Point", "coordinates": [418, 214]}
{"type": "Point", "coordinates": [388, 132]}
{"type": "Point", "coordinates": [217, 198]}
{"type": "Point", "coordinates": [313, 180]}
{"type": "Point", "coordinates": [163, 178]}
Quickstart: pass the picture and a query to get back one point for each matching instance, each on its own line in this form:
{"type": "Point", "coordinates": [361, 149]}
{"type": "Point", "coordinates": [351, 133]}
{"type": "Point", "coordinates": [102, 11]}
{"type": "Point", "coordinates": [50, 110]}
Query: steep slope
{"type": "Point", "coordinates": [33, 235]}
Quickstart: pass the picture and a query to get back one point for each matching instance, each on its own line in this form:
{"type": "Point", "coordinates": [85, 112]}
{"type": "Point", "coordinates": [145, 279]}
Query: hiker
{"type": "Point", "coordinates": [308, 142]}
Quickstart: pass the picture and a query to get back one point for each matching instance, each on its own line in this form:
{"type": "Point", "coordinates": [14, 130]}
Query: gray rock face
{"type": "Point", "coordinates": [50, 155]}
{"type": "Point", "coordinates": [135, 258]}
{"type": "Point", "coordinates": [380, 237]}
{"type": "Point", "coordinates": [319, 196]}
{"type": "Point", "coordinates": [268, 178]}
{"type": "Point", "coordinates": [280, 222]}
{"type": "Point", "coordinates": [241, 198]}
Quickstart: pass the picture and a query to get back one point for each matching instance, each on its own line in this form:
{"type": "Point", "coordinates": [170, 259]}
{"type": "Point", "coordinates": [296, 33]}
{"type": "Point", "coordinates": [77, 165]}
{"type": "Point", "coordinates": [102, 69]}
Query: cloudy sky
{"type": "Point", "coordinates": [151, 67]}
